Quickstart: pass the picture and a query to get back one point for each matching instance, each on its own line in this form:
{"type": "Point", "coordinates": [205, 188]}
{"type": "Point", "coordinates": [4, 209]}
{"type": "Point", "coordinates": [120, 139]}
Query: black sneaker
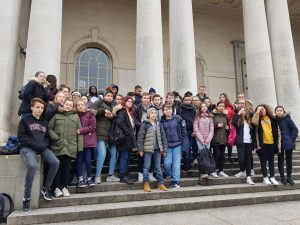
{"type": "Point", "coordinates": [26, 206]}
{"type": "Point", "coordinates": [46, 193]}
{"type": "Point", "coordinates": [126, 180]}
{"type": "Point", "coordinates": [283, 180]}
{"type": "Point", "coordinates": [90, 182]}
{"type": "Point", "coordinates": [290, 181]}
{"type": "Point", "coordinates": [81, 184]}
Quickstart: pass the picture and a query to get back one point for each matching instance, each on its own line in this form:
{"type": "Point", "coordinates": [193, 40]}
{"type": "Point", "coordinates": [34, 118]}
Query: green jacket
{"type": "Point", "coordinates": [220, 133]}
{"type": "Point", "coordinates": [64, 138]}
{"type": "Point", "coordinates": [103, 124]}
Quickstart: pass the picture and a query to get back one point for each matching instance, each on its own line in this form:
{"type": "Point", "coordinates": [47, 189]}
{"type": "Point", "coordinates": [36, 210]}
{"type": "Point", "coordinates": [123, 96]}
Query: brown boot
{"type": "Point", "coordinates": [162, 187]}
{"type": "Point", "coordinates": [147, 187]}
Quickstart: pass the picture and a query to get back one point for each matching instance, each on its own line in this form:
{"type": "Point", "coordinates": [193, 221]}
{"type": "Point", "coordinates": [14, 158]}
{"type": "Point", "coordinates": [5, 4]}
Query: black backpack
{"type": "Point", "coordinates": [21, 93]}
{"type": "Point", "coordinates": [206, 161]}
{"type": "Point", "coordinates": [3, 218]}
{"type": "Point", "coordinates": [116, 135]}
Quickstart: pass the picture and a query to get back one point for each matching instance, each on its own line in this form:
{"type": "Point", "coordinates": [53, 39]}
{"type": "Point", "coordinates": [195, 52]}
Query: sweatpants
{"type": "Point", "coordinates": [245, 157]}
{"type": "Point", "coordinates": [288, 155]}
{"type": "Point", "coordinates": [62, 177]}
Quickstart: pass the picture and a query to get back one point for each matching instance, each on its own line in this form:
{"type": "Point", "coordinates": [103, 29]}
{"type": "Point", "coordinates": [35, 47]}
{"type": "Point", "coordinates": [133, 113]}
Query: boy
{"type": "Point", "coordinates": [170, 99]}
{"type": "Point", "coordinates": [202, 93]}
{"type": "Point", "coordinates": [157, 104]}
{"type": "Point", "coordinates": [138, 94]}
{"type": "Point", "coordinates": [33, 137]}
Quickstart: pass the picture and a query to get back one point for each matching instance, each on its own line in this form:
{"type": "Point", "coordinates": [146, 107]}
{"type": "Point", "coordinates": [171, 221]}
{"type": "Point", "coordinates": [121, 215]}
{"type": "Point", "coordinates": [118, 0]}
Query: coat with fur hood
{"type": "Point", "coordinates": [204, 128]}
{"type": "Point", "coordinates": [220, 133]}
{"type": "Point", "coordinates": [34, 89]}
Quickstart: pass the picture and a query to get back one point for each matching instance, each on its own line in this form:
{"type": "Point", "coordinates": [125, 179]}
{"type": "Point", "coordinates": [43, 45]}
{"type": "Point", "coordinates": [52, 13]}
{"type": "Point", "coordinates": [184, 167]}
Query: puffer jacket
{"type": "Point", "coordinates": [146, 135]}
{"type": "Point", "coordinates": [289, 132]}
{"type": "Point", "coordinates": [63, 134]}
{"type": "Point", "coordinates": [88, 123]}
{"type": "Point", "coordinates": [204, 128]}
{"type": "Point", "coordinates": [103, 123]}
{"type": "Point", "coordinates": [220, 133]}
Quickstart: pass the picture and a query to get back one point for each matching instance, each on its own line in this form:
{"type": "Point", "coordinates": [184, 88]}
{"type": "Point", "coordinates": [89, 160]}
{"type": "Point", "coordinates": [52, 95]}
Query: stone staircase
{"type": "Point", "coordinates": [117, 199]}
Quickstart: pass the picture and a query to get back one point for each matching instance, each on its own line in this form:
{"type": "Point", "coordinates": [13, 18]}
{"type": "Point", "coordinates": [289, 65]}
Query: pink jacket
{"type": "Point", "coordinates": [204, 128]}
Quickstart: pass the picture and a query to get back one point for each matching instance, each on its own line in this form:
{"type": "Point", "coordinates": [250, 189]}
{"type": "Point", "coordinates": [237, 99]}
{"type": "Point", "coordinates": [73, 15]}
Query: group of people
{"type": "Point", "coordinates": [64, 126]}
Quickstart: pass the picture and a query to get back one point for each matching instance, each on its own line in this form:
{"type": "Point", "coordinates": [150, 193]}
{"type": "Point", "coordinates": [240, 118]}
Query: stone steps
{"type": "Point", "coordinates": [266, 194]}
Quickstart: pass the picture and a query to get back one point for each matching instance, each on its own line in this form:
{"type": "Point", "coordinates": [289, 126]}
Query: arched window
{"type": "Point", "coordinates": [93, 67]}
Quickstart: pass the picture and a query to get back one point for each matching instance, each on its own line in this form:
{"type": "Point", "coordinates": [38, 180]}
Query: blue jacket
{"type": "Point", "coordinates": [187, 113]}
{"type": "Point", "coordinates": [175, 129]}
{"type": "Point", "coordinates": [289, 132]}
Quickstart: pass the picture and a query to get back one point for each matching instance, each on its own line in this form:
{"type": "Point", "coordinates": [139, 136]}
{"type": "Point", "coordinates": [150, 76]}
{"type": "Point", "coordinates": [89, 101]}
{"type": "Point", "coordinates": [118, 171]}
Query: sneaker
{"type": "Point", "coordinates": [240, 174]}
{"type": "Point", "coordinates": [222, 174]}
{"type": "Point", "coordinates": [290, 181]}
{"type": "Point", "coordinates": [283, 180]}
{"type": "Point", "coordinates": [162, 187]}
{"type": "Point", "coordinates": [204, 176]}
{"type": "Point", "coordinates": [26, 206]}
{"type": "Point", "coordinates": [252, 172]}
{"type": "Point", "coordinates": [57, 193]}
{"type": "Point", "coordinates": [151, 177]}
{"type": "Point", "coordinates": [147, 187]}
{"type": "Point", "coordinates": [97, 180]}
{"type": "Point", "coordinates": [249, 181]}
{"type": "Point", "coordinates": [274, 181]}
{"type": "Point", "coordinates": [90, 182]}
{"type": "Point", "coordinates": [112, 178]}
{"type": "Point", "coordinates": [195, 162]}
{"type": "Point", "coordinates": [174, 186]}
{"type": "Point", "coordinates": [140, 177]}
{"type": "Point", "coordinates": [46, 193]}
{"type": "Point", "coordinates": [65, 192]}
{"type": "Point", "coordinates": [126, 180]}
{"type": "Point", "coordinates": [214, 175]}
{"type": "Point", "coordinates": [266, 181]}
{"type": "Point", "coordinates": [81, 184]}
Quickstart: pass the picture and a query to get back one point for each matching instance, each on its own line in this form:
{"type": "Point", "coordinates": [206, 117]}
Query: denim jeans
{"type": "Point", "coordinates": [101, 154]}
{"type": "Point", "coordinates": [86, 155]}
{"type": "Point", "coordinates": [147, 164]}
{"type": "Point", "coordinates": [187, 156]}
{"type": "Point", "coordinates": [29, 157]}
{"type": "Point", "coordinates": [172, 163]}
{"type": "Point", "coordinates": [202, 146]}
{"type": "Point", "coordinates": [124, 161]}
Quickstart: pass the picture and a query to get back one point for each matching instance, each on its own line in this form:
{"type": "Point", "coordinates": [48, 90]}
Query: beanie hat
{"type": "Point", "coordinates": [152, 90]}
{"type": "Point", "coordinates": [150, 110]}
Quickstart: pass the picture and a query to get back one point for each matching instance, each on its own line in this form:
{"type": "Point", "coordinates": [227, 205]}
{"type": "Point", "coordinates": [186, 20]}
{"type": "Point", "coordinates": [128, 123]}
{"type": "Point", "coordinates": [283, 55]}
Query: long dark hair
{"type": "Point", "coordinates": [246, 118]}
{"type": "Point", "coordinates": [269, 110]}
{"type": "Point", "coordinates": [130, 110]}
{"type": "Point", "coordinates": [200, 112]}
{"type": "Point", "coordinates": [227, 101]}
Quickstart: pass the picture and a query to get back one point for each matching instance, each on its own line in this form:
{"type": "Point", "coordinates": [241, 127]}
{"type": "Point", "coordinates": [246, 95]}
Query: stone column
{"type": "Point", "coordinates": [149, 46]}
{"type": "Point", "coordinates": [44, 38]}
{"type": "Point", "coordinates": [283, 54]}
{"type": "Point", "coordinates": [260, 77]}
{"type": "Point", "coordinates": [182, 47]}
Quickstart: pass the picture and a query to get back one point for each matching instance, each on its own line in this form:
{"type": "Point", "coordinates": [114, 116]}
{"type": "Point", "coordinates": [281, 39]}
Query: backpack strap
{"type": "Point", "coordinates": [2, 205]}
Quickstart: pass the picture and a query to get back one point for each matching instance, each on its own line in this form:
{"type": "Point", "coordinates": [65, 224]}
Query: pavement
{"type": "Point", "coordinates": [281, 213]}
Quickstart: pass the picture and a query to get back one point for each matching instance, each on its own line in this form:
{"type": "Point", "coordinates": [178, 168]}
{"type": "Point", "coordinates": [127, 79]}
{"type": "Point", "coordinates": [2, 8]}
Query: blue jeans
{"type": "Point", "coordinates": [86, 154]}
{"type": "Point", "coordinates": [172, 163]}
{"type": "Point", "coordinates": [124, 161]}
{"type": "Point", "coordinates": [187, 156]}
{"type": "Point", "coordinates": [202, 146]}
{"type": "Point", "coordinates": [101, 154]}
{"type": "Point", "coordinates": [147, 165]}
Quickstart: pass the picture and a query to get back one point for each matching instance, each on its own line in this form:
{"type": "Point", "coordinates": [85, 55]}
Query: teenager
{"type": "Point", "coordinates": [288, 135]}
{"type": "Point", "coordinates": [196, 102]}
{"type": "Point", "coordinates": [52, 85]}
{"type": "Point", "coordinates": [157, 104]}
{"type": "Point", "coordinates": [266, 140]}
{"type": "Point", "coordinates": [65, 89]}
{"type": "Point", "coordinates": [170, 100]}
{"type": "Point", "coordinates": [202, 93]}
{"type": "Point", "coordinates": [34, 140]}
{"type": "Point", "coordinates": [209, 105]}
{"type": "Point", "coordinates": [152, 142]}
{"type": "Point", "coordinates": [137, 94]}
{"type": "Point", "coordinates": [56, 106]}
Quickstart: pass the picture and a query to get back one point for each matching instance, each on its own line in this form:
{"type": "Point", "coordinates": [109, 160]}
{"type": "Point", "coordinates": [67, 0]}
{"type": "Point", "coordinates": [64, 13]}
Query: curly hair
{"type": "Point", "coordinates": [269, 110]}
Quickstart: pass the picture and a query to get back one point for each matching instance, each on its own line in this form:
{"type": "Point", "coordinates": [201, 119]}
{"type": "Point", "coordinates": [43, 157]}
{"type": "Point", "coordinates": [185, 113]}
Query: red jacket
{"type": "Point", "coordinates": [88, 123]}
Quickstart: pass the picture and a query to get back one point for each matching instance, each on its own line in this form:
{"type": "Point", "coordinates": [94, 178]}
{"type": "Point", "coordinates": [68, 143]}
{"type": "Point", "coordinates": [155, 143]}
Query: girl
{"type": "Point", "coordinates": [65, 143]}
{"type": "Point", "coordinates": [289, 133]}
{"type": "Point", "coordinates": [152, 141]}
{"type": "Point", "coordinates": [245, 134]}
{"type": "Point", "coordinates": [177, 140]}
{"type": "Point", "coordinates": [209, 105]}
{"type": "Point", "coordinates": [104, 118]}
{"type": "Point", "coordinates": [196, 102]}
{"type": "Point", "coordinates": [219, 140]}
{"type": "Point", "coordinates": [266, 129]}
{"type": "Point", "coordinates": [56, 106]}
{"type": "Point", "coordinates": [127, 123]}
{"type": "Point", "coordinates": [65, 89]}
{"type": "Point", "coordinates": [88, 130]}
{"type": "Point", "coordinates": [204, 130]}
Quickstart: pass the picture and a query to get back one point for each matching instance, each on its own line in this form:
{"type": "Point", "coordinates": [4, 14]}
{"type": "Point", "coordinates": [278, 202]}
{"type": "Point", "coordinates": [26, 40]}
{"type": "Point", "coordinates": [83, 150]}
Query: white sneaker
{"type": "Point", "coordinates": [214, 175]}
{"type": "Point", "coordinates": [266, 181]}
{"type": "Point", "coordinates": [97, 180]}
{"type": "Point", "coordinates": [249, 181]}
{"type": "Point", "coordinates": [195, 162]}
{"type": "Point", "coordinates": [141, 177]}
{"type": "Point", "coordinates": [112, 178]}
{"type": "Point", "coordinates": [151, 177]}
{"type": "Point", "coordinates": [222, 174]}
{"type": "Point", "coordinates": [252, 172]}
{"type": "Point", "coordinates": [240, 174]}
{"type": "Point", "coordinates": [274, 181]}
{"type": "Point", "coordinates": [65, 192]}
{"type": "Point", "coordinates": [57, 193]}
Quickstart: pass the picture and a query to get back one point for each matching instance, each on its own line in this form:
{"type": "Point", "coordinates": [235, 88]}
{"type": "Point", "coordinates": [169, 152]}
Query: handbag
{"type": "Point", "coordinates": [116, 135]}
{"type": "Point", "coordinates": [232, 135]}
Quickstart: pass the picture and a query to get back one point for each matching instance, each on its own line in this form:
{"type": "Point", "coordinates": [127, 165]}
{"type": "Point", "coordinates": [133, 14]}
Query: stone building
{"type": "Point", "coordinates": [228, 45]}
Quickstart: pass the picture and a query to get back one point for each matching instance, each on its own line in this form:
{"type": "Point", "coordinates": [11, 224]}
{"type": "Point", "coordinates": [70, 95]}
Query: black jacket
{"type": "Point", "coordinates": [51, 109]}
{"type": "Point", "coordinates": [187, 113]}
{"type": "Point", "coordinates": [124, 124]}
{"type": "Point", "coordinates": [33, 89]}
{"type": "Point", "coordinates": [288, 131]}
{"type": "Point", "coordinates": [33, 133]}
{"type": "Point", "coordinates": [240, 131]}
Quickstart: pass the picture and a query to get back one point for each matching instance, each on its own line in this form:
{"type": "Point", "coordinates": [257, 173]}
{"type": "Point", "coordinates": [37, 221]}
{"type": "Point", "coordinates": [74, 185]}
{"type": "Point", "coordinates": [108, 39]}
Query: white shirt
{"type": "Point", "coordinates": [247, 136]}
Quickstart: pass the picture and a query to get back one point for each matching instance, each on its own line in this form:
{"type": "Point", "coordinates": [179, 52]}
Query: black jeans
{"type": "Point", "coordinates": [288, 155]}
{"type": "Point", "coordinates": [62, 177]}
{"type": "Point", "coordinates": [229, 151]}
{"type": "Point", "coordinates": [219, 154]}
{"type": "Point", "coordinates": [245, 156]}
{"type": "Point", "coordinates": [266, 153]}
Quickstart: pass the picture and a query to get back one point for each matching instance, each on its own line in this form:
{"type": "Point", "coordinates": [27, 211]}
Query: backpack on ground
{"type": "Point", "coordinates": [11, 147]}
{"type": "Point", "coordinates": [206, 161]}
{"type": "Point", "coordinates": [3, 214]}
